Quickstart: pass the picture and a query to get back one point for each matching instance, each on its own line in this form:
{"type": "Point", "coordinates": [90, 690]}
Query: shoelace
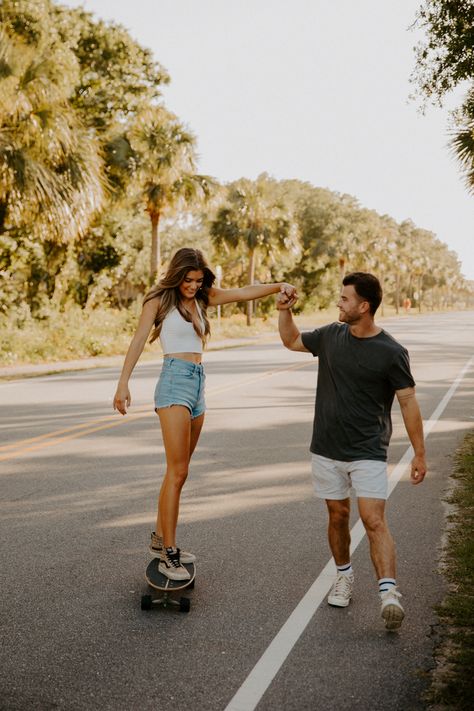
{"type": "Point", "coordinates": [391, 593]}
{"type": "Point", "coordinates": [342, 585]}
{"type": "Point", "coordinates": [173, 558]}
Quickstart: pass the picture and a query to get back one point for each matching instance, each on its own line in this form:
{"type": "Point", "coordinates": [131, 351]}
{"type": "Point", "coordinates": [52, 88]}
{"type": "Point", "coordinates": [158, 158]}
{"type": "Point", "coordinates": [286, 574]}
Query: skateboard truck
{"type": "Point", "coordinates": [167, 587]}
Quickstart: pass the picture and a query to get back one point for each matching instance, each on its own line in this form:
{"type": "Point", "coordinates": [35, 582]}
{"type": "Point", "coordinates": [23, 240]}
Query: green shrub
{"type": "Point", "coordinates": [73, 333]}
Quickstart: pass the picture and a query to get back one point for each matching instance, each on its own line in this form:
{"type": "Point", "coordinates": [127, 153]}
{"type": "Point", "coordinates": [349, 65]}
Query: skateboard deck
{"type": "Point", "coordinates": [158, 581]}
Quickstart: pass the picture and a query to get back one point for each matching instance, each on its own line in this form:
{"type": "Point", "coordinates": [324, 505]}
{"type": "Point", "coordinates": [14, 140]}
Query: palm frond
{"type": "Point", "coordinates": [462, 145]}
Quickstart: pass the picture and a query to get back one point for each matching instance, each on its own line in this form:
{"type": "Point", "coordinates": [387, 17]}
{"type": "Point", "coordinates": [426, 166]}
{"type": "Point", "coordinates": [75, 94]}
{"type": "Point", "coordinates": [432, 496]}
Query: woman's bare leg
{"type": "Point", "coordinates": [180, 436]}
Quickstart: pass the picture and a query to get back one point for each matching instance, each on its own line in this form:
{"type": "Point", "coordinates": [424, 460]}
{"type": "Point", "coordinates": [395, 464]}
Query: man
{"type": "Point", "coordinates": [361, 369]}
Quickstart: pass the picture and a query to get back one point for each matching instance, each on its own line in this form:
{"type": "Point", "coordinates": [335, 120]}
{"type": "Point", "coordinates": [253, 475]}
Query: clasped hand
{"type": "Point", "coordinates": [287, 297]}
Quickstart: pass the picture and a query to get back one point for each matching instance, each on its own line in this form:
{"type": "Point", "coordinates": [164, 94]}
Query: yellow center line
{"type": "Point", "coordinates": [107, 422]}
{"type": "Point", "coordinates": [55, 433]}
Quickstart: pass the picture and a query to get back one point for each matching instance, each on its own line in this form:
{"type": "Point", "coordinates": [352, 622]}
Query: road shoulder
{"type": "Point", "coordinates": [452, 681]}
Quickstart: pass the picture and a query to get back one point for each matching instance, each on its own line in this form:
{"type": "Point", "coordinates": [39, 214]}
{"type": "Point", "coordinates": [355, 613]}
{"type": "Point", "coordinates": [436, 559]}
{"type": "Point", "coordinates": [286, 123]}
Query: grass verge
{"type": "Point", "coordinates": [453, 679]}
{"type": "Point", "coordinates": [77, 333]}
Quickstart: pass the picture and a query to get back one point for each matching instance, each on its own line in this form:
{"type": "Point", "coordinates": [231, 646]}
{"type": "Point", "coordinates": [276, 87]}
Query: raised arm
{"type": "Point", "coordinates": [122, 398]}
{"type": "Point", "coordinates": [218, 297]}
{"type": "Point", "coordinates": [414, 426]}
{"type": "Point", "coordinates": [289, 333]}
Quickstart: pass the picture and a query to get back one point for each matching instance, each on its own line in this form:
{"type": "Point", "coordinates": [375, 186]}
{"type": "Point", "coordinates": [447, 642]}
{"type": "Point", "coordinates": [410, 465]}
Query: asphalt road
{"type": "Point", "coordinates": [78, 496]}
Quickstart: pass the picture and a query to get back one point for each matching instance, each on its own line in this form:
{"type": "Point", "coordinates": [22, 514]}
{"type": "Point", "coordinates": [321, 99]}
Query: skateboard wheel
{"type": "Point", "coordinates": [146, 602]}
{"type": "Point", "coordinates": [184, 604]}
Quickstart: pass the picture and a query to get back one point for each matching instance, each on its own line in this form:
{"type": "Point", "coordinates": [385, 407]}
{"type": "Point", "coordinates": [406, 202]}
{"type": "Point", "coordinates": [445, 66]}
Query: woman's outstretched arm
{"type": "Point", "coordinates": [248, 293]}
{"type": "Point", "coordinates": [122, 398]}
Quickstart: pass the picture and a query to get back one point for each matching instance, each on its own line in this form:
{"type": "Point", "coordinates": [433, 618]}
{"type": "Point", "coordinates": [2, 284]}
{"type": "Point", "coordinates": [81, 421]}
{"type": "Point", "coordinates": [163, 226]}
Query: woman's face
{"type": "Point", "coordinates": [191, 283]}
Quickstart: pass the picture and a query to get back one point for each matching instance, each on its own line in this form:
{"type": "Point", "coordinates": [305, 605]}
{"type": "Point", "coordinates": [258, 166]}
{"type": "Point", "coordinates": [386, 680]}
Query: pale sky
{"type": "Point", "coordinates": [311, 89]}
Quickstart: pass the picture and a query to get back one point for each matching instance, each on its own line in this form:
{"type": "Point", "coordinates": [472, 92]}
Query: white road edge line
{"type": "Point", "coordinates": [257, 682]}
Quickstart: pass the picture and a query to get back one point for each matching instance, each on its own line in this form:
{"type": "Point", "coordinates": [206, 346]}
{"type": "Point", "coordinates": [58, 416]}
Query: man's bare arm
{"type": "Point", "coordinates": [414, 426]}
{"type": "Point", "coordinates": [289, 333]}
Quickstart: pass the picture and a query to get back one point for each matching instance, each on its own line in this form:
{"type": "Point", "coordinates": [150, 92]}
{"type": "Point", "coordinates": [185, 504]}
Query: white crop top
{"type": "Point", "coordinates": [178, 335]}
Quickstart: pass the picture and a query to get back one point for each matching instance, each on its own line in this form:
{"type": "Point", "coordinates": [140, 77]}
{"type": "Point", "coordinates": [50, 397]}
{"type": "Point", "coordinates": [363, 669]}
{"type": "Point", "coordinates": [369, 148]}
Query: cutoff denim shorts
{"type": "Point", "coordinates": [181, 383]}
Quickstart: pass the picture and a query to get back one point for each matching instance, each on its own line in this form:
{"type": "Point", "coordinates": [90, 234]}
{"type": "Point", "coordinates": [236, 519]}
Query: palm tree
{"type": "Point", "coordinates": [462, 142]}
{"type": "Point", "coordinates": [51, 171]}
{"type": "Point", "coordinates": [256, 218]}
{"type": "Point", "coordinates": [164, 154]}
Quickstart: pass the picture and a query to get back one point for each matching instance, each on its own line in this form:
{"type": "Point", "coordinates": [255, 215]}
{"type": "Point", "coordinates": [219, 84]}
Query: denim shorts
{"type": "Point", "coordinates": [333, 479]}
{"type": "Point", "coordinates": [181, 383]}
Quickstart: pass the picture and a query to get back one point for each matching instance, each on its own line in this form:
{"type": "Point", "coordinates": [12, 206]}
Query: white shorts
{"type": "Point", "coordinates": [333, 479]}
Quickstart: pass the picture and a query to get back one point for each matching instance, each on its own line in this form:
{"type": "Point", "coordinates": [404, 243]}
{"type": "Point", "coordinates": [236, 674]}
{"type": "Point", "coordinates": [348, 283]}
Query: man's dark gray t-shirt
{"type": "Point", "coordinates": [357, 380]}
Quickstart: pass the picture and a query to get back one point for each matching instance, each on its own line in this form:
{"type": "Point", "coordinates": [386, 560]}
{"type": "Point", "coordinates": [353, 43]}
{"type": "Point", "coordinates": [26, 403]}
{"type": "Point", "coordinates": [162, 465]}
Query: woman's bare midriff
{"type": "Point", "coordinates": [191, 357]}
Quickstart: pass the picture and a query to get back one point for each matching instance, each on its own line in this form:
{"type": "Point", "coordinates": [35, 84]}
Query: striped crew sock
{"type": "Point", "coordinates": [345, 569]}
{"type": "Point", "coordinates": [386, 584]}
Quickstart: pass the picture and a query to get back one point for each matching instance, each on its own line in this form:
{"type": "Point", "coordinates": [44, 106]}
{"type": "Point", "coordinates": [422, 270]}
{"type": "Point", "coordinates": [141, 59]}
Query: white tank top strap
{"type": "Point", "coordinates": [199, 310]}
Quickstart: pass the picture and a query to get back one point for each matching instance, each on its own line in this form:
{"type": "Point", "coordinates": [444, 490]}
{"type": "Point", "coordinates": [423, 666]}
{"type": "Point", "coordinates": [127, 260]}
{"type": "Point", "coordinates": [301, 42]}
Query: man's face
{"type": "Point", "coordinates": [350, 305]}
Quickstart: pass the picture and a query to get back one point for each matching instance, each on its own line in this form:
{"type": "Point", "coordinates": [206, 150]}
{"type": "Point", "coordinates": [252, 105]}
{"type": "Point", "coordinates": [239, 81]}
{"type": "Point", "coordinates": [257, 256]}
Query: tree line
{"type": "Point", "coordinates": [444, 61]}
{"type": "Point", "coordinates": [98, 186]}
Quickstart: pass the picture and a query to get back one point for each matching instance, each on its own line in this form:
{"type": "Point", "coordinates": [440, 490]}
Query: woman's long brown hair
{"type": "Point", "coordinates": [167, 291]}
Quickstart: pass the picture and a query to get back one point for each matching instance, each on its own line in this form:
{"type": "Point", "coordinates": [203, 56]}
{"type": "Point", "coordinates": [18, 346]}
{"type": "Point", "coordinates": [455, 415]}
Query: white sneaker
{"type": "Point", "coordinates": [341, 591]}
{"type": "Point", "coordinates": [156, 549]}
{"type": "Point", "coordinates": [392, 611]}
{"type": "Point", "coordinates": [171, 566]}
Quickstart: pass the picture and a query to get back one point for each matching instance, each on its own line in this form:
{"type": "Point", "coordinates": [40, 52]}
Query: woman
{"type": "Point", "coordinates": [177, 307]}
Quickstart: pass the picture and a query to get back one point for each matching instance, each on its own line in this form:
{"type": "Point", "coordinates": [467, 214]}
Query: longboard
{"type": "Point", "coordinates": [168, 587]}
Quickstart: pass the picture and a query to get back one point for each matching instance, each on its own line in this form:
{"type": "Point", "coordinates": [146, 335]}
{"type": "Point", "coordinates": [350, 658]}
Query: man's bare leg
{"type": "Point", "coordinates": [339, 542]}
{"type": "Point", "coordinates": [382, 552]}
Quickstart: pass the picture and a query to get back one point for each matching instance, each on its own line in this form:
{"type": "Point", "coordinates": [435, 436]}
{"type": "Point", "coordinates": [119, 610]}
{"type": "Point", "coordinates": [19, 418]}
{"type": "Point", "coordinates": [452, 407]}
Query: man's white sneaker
{"type": "Point", "coordinates": [392, 611]}
{"type": "Point", "coordinates": [156, 549]}
{"type": "Point", "coordinates": [171, 566]}
{"type": "Point", "coordinates": [341, 591]}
